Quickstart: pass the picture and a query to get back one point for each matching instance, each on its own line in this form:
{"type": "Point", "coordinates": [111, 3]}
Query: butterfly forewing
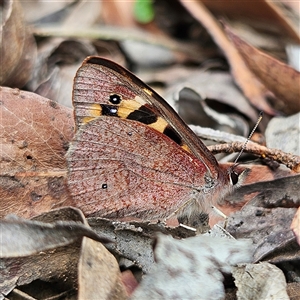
{"type": "Point", "coordinates": [99, 80]}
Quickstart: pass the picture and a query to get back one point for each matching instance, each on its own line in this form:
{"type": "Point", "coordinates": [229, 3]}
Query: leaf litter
{"type": "Point", "coordinates": [52, 255]}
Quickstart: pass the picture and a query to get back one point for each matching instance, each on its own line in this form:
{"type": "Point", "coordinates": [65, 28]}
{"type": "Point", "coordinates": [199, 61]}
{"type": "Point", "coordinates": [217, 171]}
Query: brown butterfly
{"type": "Point", "coordinates": [132, 155]}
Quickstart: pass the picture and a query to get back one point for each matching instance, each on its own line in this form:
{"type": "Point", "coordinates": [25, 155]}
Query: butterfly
{"type": "Point", "coordinates": [133, 156]}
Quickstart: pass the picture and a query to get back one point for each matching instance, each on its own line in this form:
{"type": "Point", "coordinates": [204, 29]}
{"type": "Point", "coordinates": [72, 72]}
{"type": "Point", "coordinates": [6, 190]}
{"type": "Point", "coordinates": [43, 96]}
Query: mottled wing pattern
{"type": "Point", "coordinates": [125, 168]}
{"type": "Point", "coordinates": [95, 83]}
{"type": "Point", "coordinates": [100, 83]}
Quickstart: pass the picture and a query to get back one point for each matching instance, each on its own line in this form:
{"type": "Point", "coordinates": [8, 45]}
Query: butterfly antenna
{"type": "Point", "coordinates": [249, 137]}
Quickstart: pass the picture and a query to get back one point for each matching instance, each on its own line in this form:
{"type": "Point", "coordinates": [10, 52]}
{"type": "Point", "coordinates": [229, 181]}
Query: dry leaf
{"type": "Point", "coordinates": [278, 192]}
{"type": "Point", "coordinates": [87, 12]}
{"type": "Point", "coordinates": [148, 55]}
{"type": "Point", "coordinates": [263, 187]}
{"type": "Point", "coordinates": [251, 87]}
{"type": "Point", "coordinates": [38, 247]}
{"type": "Point", "coordinates": [17, 46]}
{"type": "Point", "coordinates": [295, 226]}
{"type": "Point", "coordinates": [98, 273]}
{"type": "Point", "coordinates": [293, 290]}
{"type": "Point", "coordinates": [278, 77]}
{"type": "Point", "coordinates": [195, 110]}
{"type": "Point", "coordinates": [260, 281]}
{"type": "Point", "coordinates": [129, 281]}
{"type": "Point", "coordinates": [293, 5]}
{"type": "Point", "coordinates": [20, 237]}
{"type": "Point", "coordinates": [39, 10]}
{"type": "Point", "coordinates": [191, 268]}
{"type": "Point", "coordinates": [34, 138]}
{"type": "Point", "coordinates": [267, 218]}
{"type": "Point", "coordinates": [280, 132]}
{"type": "Point", "coordinates": [269, 228]}
{"type": "Point", "coordinates": [134, 240]}
{"type": "Point", "coordinates": [204, 84]}
{"type": "Point", "coordinates": [293, 52]}
{"type": "Point", "coordinates": [260, 13]}
{"type": "Point", "coordinates": [57, 62]}
{"type": "Point", "coordinates": [118, 13]}
{"type": "Point", "coordinates": [56, 266]}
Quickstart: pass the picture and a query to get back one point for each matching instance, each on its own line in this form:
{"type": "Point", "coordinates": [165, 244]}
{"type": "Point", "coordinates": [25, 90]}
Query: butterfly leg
{"type": "Point", "coordinates": [190, 215]}
{"type": "Point", "coordinates": [220, 213]}
{"type": "Point", "coordinates": [197, 220]}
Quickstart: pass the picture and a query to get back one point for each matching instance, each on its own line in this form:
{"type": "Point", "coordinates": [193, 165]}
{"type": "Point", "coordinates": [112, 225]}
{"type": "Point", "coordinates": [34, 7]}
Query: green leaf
{"type": "Point", "coordinates": [143, 11]}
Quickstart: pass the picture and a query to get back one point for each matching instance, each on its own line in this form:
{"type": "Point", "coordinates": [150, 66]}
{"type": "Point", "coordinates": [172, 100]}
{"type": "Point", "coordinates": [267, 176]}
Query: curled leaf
{"type": "Point", "coordinates": [244, 78]}
{"type": "Point", "coordinates": [17, 46]}
{"type": "Point", "coordinates": [20, 237]}
{"type": "Point", "coordinates": [278, 77]}
{"type": "Point", "coordinates": [99, 273]}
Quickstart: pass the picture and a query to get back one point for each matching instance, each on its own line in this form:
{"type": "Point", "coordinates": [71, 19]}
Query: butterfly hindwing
{"type": "Point", "coordinates": [137, 180]}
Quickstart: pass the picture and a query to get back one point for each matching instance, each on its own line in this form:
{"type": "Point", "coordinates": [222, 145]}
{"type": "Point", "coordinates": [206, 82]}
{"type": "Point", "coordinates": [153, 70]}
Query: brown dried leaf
{"type": "Point", "coordinates": [34, 138]}
{"type": "Point", "coordinates": [260, 13]}
{"type": "Point", "coordinates": [295, 226]}
{"type": "Point", "coordinates": [99, 273]}
{"type": "Point", "coordinates": [129, 281]}
{"type": "Point", "coordinates": [278, 77]}
{"type": "Point", "coordinates": [59, 265]}
{"type": "Point", "coordinates": [260, 281]}
{"type": "Point", "coordinates": [244, 78]}
{"type": "Point", "coordinates": [17, 46]}
{"type": "Point", "coordinates": [293, 288]}
{"type": "Point", "coordinates": [118, 13]}
{"type": "Point", "coordinates": [191, 268]}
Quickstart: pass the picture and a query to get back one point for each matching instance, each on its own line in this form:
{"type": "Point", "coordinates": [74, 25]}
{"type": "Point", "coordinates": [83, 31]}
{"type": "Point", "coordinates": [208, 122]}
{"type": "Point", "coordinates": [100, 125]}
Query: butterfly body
{"type": "Point", "coordinates": [132, 155]}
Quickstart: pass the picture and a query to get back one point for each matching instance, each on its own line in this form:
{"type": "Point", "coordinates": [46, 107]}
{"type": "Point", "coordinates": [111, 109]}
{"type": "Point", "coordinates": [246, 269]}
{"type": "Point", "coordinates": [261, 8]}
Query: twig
{"type": "Point", "coordinates": [290, 160]}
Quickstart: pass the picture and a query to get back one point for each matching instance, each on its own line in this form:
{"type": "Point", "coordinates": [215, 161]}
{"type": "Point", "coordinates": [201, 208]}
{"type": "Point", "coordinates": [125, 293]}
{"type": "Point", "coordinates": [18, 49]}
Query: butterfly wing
{"type": "Point", "coordinates": [99, 82]}
{"type": "Point", "coordinates": [150, 177]}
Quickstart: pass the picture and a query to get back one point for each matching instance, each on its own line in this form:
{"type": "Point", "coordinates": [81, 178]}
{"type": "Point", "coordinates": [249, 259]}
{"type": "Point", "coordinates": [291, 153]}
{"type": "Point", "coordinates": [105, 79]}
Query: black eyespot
{"type": "Point", "coordinates": [115, 99]}
{"type": "Point", "coordinates": [109, 110]}
{"type": "Point", "coordinates": [234, 177]}
{"type": "Point", "coordinates": [104, 186]}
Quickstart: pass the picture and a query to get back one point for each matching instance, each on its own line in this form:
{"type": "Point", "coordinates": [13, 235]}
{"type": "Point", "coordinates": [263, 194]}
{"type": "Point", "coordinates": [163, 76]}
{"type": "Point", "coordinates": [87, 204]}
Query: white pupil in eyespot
{"type": "Point", "coordinates": [115, 99]}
